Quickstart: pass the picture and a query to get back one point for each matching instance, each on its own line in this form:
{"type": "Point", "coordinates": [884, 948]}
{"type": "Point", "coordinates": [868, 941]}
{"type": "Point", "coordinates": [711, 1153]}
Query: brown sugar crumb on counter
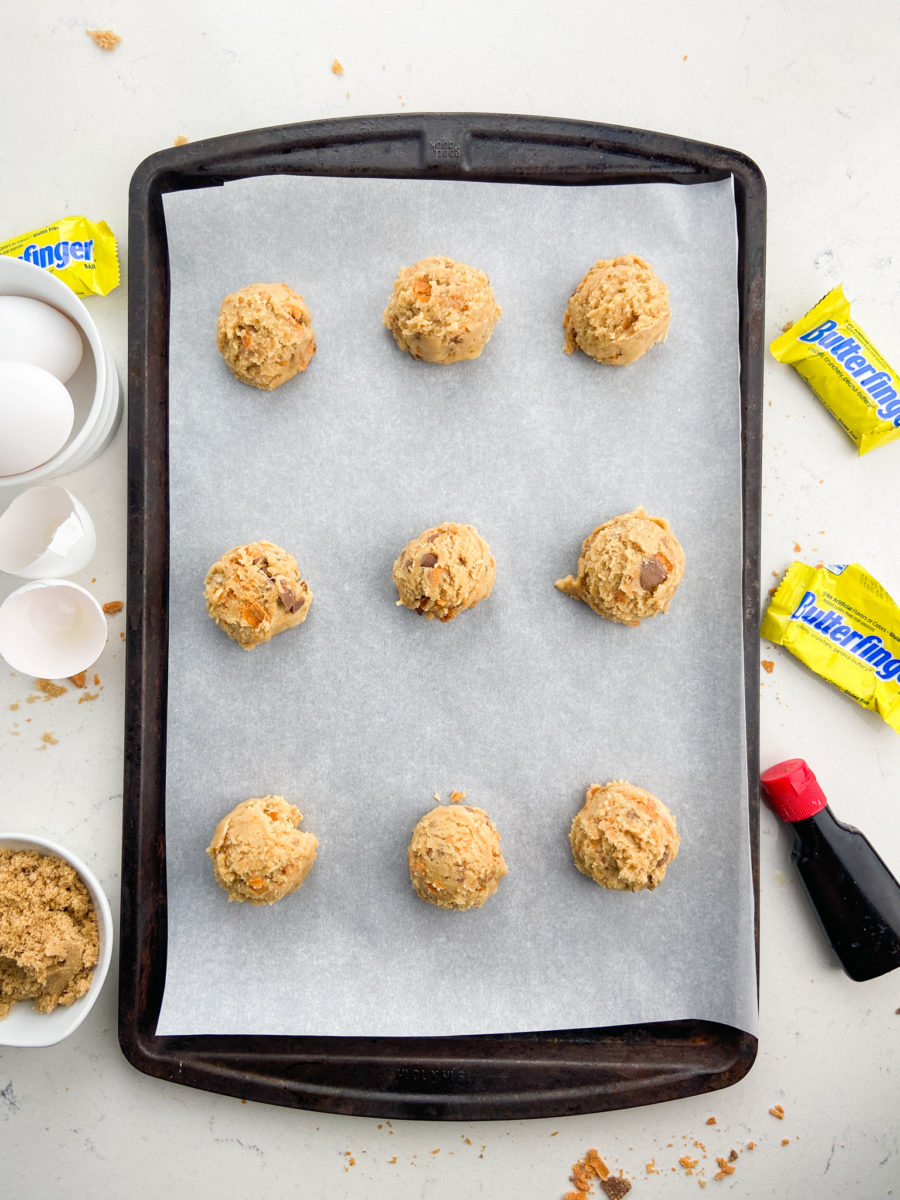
{"type": "Point", "coordinates": [113, 606]}
{"type": "Point", "coordinates": [48, 688]}
{"type": "Point", "coordinates": [106, 39]}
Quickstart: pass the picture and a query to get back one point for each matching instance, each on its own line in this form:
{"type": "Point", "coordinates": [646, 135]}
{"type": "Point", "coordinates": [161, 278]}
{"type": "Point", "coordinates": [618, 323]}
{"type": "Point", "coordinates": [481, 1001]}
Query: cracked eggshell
{"type": "Point", "coordinates": [46, 533]}
{"type": "Point", "coordinates": [51, 629]}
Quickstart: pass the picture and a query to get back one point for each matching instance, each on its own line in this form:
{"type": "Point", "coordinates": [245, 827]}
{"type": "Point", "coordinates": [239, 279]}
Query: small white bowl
{"type": "Point", "coordinates": [94, 387]}
{"type": "Point", "coordinates": [46, 533]}
{"type": "Point", "coordinates": [51, 629]}
{"type": "Point", "coordinates": [24, 1026]}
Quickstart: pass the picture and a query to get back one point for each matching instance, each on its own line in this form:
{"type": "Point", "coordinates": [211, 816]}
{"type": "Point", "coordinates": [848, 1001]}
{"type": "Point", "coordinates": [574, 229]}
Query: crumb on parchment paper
{"type": "Point", "coordinates": [106, 39]}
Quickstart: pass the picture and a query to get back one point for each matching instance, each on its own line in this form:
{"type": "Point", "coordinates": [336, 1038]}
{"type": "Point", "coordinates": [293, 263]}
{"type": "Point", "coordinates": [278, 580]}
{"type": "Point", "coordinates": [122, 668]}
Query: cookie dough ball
{"type": "Point", "coordinates": [441, 310]}
{"type": "Point", "coordinates": [618, 311]}
{"type": "Point", "coordinates": [454, 857]}
{"type": "Point", "coordinates": [623, 838]}
{"type": "Point", "coordinates": [258, 853]}
{"type": "Point", "coordinates": [444, 571]}
{"type": "Point", "coordinates": [629, 569]}
{"type": "Point", "coordinates": [255, 591]}
{"type": "Point", "coordinates": [265, 334]}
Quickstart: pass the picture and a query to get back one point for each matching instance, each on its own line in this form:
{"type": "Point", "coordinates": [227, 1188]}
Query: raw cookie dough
{"type": "Point", "coordinates": [618, 311]}
{"type": "Point", "coordinates": [441, 310]}
{"type": "Point", "coordinates": [265, 334]}
{"type": "Point", "coordinates": [444, 571]}
{"type": "Point", "coordinates": [623, 838]}
{"type": "Point", "coordinates": [629, 569]}
{"type": "Point", "coordinates": [255, 591]}
{"type": "Point", "coordinates": [258, 853]}
{"type": "Point", "coordinates": [49, 941]}
{"type": "Point", "coordinates": [454, 857]}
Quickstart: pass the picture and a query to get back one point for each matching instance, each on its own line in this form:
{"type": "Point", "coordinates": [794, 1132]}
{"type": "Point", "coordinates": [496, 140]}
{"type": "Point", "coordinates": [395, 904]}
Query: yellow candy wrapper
{"type": "Point", "coordinates": [846, 372]}
{"type": "Point", "coordinates": [843, 625]}
{"type": "Point", "coordinates": [82, 253]}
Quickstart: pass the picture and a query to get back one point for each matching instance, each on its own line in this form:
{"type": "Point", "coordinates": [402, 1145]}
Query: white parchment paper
{"type": "Point", "coordinates": [364, 712]}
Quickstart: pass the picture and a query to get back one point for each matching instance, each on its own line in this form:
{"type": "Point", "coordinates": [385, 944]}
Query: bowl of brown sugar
{"type": "Point", "coordinates": [55, 941]}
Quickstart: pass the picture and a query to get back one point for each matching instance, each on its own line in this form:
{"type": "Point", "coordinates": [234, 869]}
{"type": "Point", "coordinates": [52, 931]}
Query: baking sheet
{"type": "Point", "coordinates": [364, 712]}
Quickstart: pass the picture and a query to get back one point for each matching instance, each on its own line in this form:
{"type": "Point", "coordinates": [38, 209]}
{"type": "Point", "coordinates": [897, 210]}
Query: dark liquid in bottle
{"type": "Point", "coordinates": [856, 897]}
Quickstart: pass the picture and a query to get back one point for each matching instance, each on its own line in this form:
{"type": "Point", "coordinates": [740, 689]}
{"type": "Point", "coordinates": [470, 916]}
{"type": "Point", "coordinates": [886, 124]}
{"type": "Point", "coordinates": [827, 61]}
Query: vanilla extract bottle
{"type": "Point", "coordinates": [855, 896]}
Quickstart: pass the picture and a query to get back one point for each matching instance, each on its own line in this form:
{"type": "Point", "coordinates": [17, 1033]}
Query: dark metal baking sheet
{"type": "Point", "coordinates": [464, 1078]}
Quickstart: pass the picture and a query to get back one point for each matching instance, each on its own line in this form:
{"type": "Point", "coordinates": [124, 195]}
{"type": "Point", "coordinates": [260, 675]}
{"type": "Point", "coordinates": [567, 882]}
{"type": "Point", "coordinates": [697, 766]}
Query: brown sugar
{"type": "Point", "coordinates": [49, 944]}
{"type": "Point", "coordinates": [49, 688]}
{"type": "Point", "coordinates": [106, 39]}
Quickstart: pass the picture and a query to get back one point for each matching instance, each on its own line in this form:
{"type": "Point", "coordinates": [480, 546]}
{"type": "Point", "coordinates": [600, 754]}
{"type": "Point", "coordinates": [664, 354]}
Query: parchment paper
{"type": "Point", "coordinates": [367, 710]}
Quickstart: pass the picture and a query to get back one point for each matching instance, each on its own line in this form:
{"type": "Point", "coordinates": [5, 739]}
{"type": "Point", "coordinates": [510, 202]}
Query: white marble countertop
{"type": "Point", "coordinates": [810, 94]}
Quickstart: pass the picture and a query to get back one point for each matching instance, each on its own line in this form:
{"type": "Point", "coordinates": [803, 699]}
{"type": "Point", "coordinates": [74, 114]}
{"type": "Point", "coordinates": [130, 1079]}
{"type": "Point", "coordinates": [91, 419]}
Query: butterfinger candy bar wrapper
{"type": "Point", "coordinates": [82, 253]}
{"type": "Point", "coordinates": [845, 371]}
{"type": "Point", "coordinates": [843, 625]}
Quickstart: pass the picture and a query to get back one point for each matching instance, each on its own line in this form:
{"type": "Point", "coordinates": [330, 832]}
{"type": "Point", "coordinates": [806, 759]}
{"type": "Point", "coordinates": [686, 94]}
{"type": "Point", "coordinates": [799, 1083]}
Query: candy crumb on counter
{"type": "Point", "coordinates": [181, 140]}
{"type": "Point", "coordinates": [49, 688]}
{"type": "Point", "coordinates": [337, 68]}
{"type": "Point", "coordinates": [113, 606]}
{"type": "Point", "coordinates": [768, 666]}
{"type": "Point", "coordinates": [777, 1111]}
{"type": "Point", "coordinates": [106, 39]}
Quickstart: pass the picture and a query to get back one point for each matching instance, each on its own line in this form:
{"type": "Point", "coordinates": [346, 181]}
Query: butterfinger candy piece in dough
{"type": "Point", "coordinates": [255, 591]}
{"type": "Point", "coordinates": [441, 310]}
{"type": "Point", "coordinates": [618, 311]}
{"type": "Point", "coordinates": [624, 838]}
{"type": "Point", "coordinates": [444, 571]}
{"type": "Point", "coordinates": [265, 334]}
{"type": "Point", "coordinates": [258, 853]}
{"type": "Point", "coordinates": [630, 568]}
{"type": "Point", "coordinates": [454, 857]}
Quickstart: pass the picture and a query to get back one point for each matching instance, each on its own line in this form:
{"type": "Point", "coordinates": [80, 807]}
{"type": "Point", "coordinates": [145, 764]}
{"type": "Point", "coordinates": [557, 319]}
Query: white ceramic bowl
{"type": "Point", "coordinates": [24, 1026]}
{"type": "Point", "coordinates": [95, 385]}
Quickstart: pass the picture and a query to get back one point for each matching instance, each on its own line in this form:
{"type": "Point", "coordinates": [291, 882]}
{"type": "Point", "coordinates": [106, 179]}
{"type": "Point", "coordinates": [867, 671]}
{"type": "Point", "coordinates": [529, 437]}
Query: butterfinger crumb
{"type": "Point", "coordinates": [580, 1176]}
{"type": "Point", "coordinates": [797, 547]}
{"type": "Point", "coordinates": [455, 798]}
{"type": "Point", "coordinates": [112, 606]}
{"type": "Point", "coordinates": [751, 1145]}
{"type": "Point", "coordinates": [181, 140]}
{"type": "Point", "coordinates": [725, 1168]}
{"type": "Point", "coordinates": [650, 1167]}
{"type": "Point", "coordinates": [785, 1141]}
{"type": "Point", "coordinates": [105, 38]}
{"type": "Point", "coordinates": [687, 1162]}
{"type": "Point", "coordinates": [777, 1111]}
{"type": "Point", "coordinates": [49, 688]}
{"type": "Point", "coordinates": [88, 696]}
{"type": "Point", "coordinates": [712, 1120]}
{"type": "Point", "coordinates": [573, 1196]}
{"type": "Point", "coordinates": [80, 680]}
{"type": "Point", "coordinates": [336, 68]}
{"type": "Point", "coordinates": [616, 1187]}
{"type": "Point", "coordinates": [769, 667]}
{"type": "Point", "coordinates": [49, 740]}
{"type": "Point", "coordinates": [596, 1164]}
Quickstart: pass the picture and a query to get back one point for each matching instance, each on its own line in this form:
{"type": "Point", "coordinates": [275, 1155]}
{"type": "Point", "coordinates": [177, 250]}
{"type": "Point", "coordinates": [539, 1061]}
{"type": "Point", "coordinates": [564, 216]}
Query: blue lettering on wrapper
{"type": "Point", "coordinates": [879, 384]}
{"type": "Point", "coordinates": [868, 647]}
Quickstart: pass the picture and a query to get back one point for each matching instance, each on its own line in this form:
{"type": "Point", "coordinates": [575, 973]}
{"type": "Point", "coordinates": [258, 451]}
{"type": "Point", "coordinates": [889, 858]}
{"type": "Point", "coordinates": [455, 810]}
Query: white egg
{"type": "Point", "coordinates": [36, 416]}
{"type": "Point", "coordinates": [34, 332]}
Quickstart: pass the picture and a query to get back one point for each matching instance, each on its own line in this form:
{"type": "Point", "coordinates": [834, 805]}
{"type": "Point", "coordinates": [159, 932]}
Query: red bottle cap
{"type": "Point", "coordinates": [793, 790]}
